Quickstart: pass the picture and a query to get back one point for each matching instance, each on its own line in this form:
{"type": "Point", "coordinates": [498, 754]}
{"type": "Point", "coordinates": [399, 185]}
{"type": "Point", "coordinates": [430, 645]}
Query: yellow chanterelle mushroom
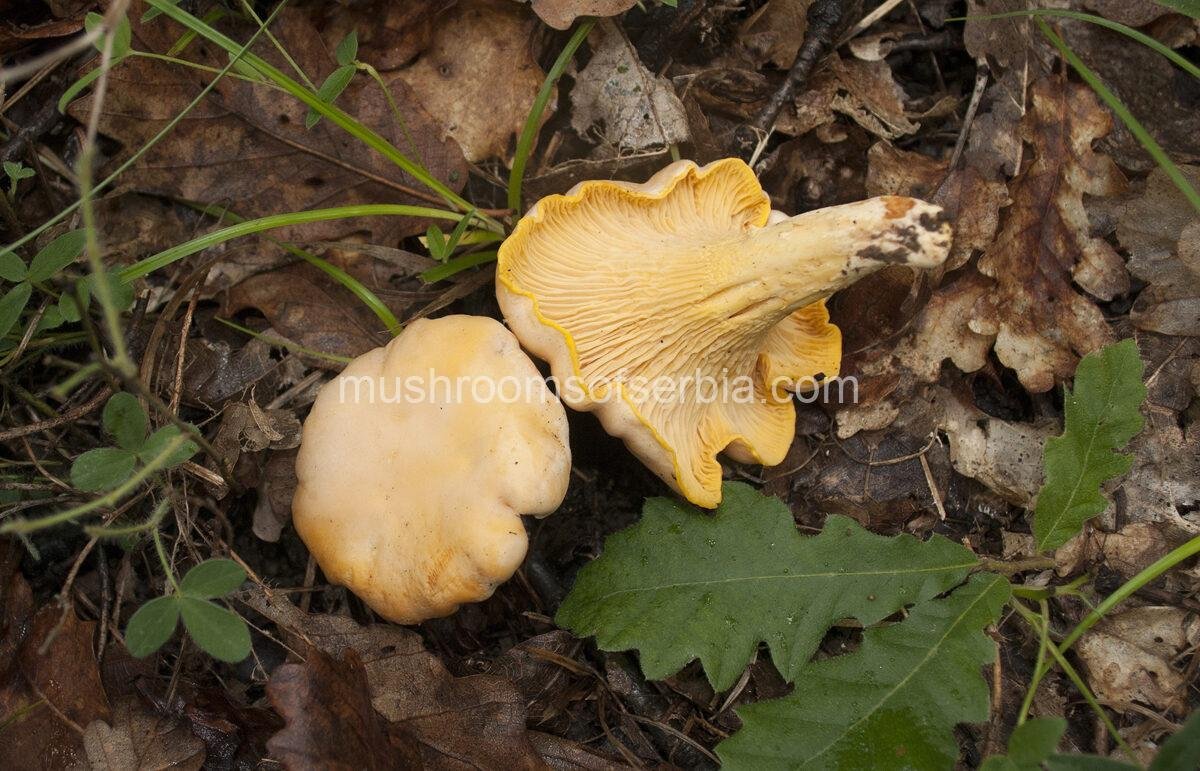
{"type": "Point", "coordinates": [418, 461]}
{"type": "Point", "coordinates": [685, 312]}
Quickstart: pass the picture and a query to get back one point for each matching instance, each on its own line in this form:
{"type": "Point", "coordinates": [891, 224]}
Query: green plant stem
{"type": "Point", "coordinates": [532, 123]}
{"type": "Point", "coordinates": [106, 531]}
{"type": "Point", "coordinates": [26, 526]}
{"type": "Point", "coordinates": [1073, 675]}
{"type": "Point", "coordinates": [457, 265]}
{"type": "Point", "coordinates": [100, 287]}
{"type": "Point", "coordinates": [162, 558]}
{"type": "Point", "coordinates": [1135, 127]}
{"type": "Point", "coordinates": [1130, 32]}
{"type": "Point", "coordinates": [249, 227]}
{"type": "Point", "coordinates": [1043, 640]}
{"type": "Point", "coordinates": [249, 8]}
{"type": "Point", "coordinates": [200, 67]}
{"type": "Point", "coordinates": [137, 155]}
{"type": "Point", "coordinates": [329, 111]}
{"type": "Point", "coordinates": [391, 100]}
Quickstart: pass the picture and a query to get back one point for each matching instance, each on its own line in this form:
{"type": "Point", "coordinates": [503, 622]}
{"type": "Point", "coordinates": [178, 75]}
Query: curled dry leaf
{"type": "Point", "coordinates": [617, 97]}
{"type": "Point", "coordinates": [560, 14]}
{"type": "Point", "coordinates": [1041, 322]}
{"type": "Point", "coordinates": [260, 133]}
{"type": "Point", "coordinates": [479, 75]}
{"type": "Point", "coordinates": [1128, 656]}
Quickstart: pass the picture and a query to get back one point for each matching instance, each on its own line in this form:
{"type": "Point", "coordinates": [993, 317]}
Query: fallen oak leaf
{"type": "Point", "coordinates": [1041, 323]}
{"type": "Point", "coordinates": [330, 723]}
{"type": "Point", "coordinates": [476, 721]}
{"type": "Point", "coordinates": [137, 738]}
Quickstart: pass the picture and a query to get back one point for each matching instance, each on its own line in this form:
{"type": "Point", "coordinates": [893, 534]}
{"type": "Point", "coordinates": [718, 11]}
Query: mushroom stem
{"type": "Point", "coordinates": [793, 262]}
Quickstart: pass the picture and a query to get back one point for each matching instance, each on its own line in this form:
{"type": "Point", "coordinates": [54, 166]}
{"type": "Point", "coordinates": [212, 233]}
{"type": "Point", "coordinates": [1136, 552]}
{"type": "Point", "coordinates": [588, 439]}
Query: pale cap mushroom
{"type": "Point", "coordinates": [412, 487]}
{"type": "Point", "coordinates": [692, 274]}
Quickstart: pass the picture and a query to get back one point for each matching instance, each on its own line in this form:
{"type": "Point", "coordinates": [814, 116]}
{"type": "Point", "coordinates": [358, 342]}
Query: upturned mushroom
{"type": "Point", "coordinates": [645, 297]}
{"type": "Point", "coordinates": [418, 462]}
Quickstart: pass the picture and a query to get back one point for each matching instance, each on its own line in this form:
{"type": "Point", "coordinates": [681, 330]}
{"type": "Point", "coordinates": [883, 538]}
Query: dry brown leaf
{"type": "Point", "coordinates": [871, 97]}
{"type": "Point", "coordinates": [307, 306]}
{"type": "Point", "coordinates": [1133, 13]}
{"type": "Point", "coordinates": [458, 722]}
{"type": "Point", "coordinates": [247, 427]}
{"type": "Point", "coordinates": [390, 34]}
{"type": "Point", "coordinates": [774, 33]}
{"type": "Point", "coordinates": [246, 145]}
{"type": "Point", "coordinates": [140, 740]}
{"type": "Point", "coordinates": [479, 75]}
{"type": "Point", "coordinates": [1128, 656]}
{"type": "Point", "coordinates": [46, 698]}
{"type": "Point", "coordinates": [560, 14]}
{"type": "Point", "coordinates": [1013, 42]}
{"type": "Point", "coordinates": [1163, 97]}
{"type": "Point", "coordinates": [616, 97]}
{"type": "Point", "coordinates": [1041, 322]}
{"type": "Point", "coordinates": [330, 723]}
{"type": "Point", "coordinates": [1161, 230]}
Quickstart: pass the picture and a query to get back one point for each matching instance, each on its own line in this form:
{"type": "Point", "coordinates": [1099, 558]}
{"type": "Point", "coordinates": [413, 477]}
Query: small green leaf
{"type": "Point", "coordinates": [122, 35]}
{"type": "Point", "coordinates": [152, 626]}
{"type": "Point", "coordinates": [1102, 414]}
{"type": "Point", "coordinates": [11, 306]}
{"type": "Point", "coordinates": [125, 420]}
{"type": "Point", "coordinates": [76, 88]}
{"type": "Point", "coordinates": [891, 704]}
{"type": "Point", "coordinates": [17, 171]}
{"type": "Point", "coordinates": [329, 91]}
{"type": "Point", "coordinates": [68, 307]}
{"type": "Point", "coordinates": [212, 578]}
{"type": "Point", "coordinates": [1029, 745]}
{"type": "Point", "coordinates": [51, 319]}
{"type": "Point", "coordinates": [158, 442]}
{"type": "Point", "coordinates": [56, 255]}
{"type": "Point", "coordinates": [221, 633]}
{"type": "Point", "coordinates": [102, 468]}
{"type": "Point", "coordinates": [347, 50]}
{"type": "Point", "coordinates": [12, 267]}
{"type": "Point", "coordinates": [685, 584]}
{"type": "Point", "coordinates": [435, 241]}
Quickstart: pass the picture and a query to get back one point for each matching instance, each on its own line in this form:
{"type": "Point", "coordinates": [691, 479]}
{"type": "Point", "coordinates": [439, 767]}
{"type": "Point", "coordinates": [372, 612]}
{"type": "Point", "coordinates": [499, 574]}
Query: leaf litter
{"type": "Point", "coordinates": [1066, 239]}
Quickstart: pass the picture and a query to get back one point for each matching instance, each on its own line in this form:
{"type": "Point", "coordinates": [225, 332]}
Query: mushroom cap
{"type": "Point", "coordinates": [618, 284]}
{"type": "Point", "coordinates": [413, 498]}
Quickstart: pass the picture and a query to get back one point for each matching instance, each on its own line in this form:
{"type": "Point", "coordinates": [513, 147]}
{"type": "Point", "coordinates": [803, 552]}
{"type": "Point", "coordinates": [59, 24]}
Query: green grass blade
{"type": "Point", "coordinates": [1135, 127]}
{"type": "Point", "coordinates": [275, 341]}
{"type": "Point", "coordinates": [529, 133]}
{"type": "Point", "coordinates": [249, 227]}
{"type": "Point", "coordinates": [457, 265]}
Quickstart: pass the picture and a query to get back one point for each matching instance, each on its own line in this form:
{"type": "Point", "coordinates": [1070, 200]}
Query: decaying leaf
{"type": "Point", "coordinates": [246, 427]}
{"type": "Point", "coordinates": [617, 96]}
{"type": "Point", "coordinates": [138, 739]}
{"type": "Point", "coordinates": [775, 32]}
{"type": "Point", "coordinates": [1042, 324]}
{"type": "Point", "coordinates": [479, 75]}
{"type": "Point", "coordinates": [330, 722]}
{"type": "Point", "coordinates": [46, 697]}
{"type": "Point", "coordinates": [1161, 230]}
{"type": "Point", "coordinates": [561, 13]}
{"type": "Point", "coordinates": [455, 722]}
{"type": "Point", "coordinates": [260, 133]}
{"type": "Point", "coordinates": [1129, 656]}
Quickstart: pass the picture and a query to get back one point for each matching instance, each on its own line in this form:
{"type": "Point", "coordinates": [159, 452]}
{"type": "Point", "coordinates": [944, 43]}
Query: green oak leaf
{"type": "Point", "coordinates": [1102, 414]}
{"type": "Point", "coordinates": [684, 584]}
{"type": "Point", "coordinates": [892, 704]}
